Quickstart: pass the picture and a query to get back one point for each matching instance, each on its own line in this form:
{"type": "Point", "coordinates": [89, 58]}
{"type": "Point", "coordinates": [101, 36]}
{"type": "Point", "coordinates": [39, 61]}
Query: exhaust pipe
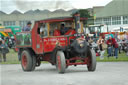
{"type": "Point", "coordinates": [76, 16]}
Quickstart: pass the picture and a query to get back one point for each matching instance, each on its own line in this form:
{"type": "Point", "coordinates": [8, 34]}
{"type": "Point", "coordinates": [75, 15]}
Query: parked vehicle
{"type": "Point", "coordinates": [12, 30]}
{"type": "Point", "coordinates": [48, 44]}
{"type": "Point", "coordinates": [8, 33]}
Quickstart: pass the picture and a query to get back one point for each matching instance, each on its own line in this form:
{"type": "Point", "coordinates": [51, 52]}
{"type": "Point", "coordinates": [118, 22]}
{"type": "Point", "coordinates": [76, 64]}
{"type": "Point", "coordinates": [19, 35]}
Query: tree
{"type": "Point", "coordinates": [84, 13]}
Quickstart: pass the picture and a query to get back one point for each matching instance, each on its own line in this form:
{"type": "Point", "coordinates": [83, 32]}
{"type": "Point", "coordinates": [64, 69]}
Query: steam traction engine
{"type": "Point", "coordinates": [49, 45]}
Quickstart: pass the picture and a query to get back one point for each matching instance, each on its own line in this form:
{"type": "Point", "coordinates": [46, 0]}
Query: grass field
{"type": "Point", "coordinates": [12, 58]}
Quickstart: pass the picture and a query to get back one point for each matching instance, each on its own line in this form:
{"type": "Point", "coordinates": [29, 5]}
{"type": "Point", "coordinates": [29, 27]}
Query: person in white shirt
{"type": "Point", "coordinates": [102, 51]}
{"type": "Point", "coordinates": [43, 29]}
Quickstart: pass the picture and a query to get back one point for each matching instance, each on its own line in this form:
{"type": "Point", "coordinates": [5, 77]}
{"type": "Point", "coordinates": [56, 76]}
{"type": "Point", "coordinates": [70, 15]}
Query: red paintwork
{"type": "Point", "coordinates": [107, 33]}
{"type": "Point", "coordinates": [70, 32]}
{"type": "Point", "coordinates": [57, 32]}
{"type": "Point", "coordinates": [51, 42]}
{"type": "Point", "coordinates": [47, 44]}
{"type": "Point", "coordinates": [37, 43]}
{"type": "Point", "coordinates": [77, 63]}
{"type": "Point", "coordinates": [24, 61]}
{"type": "Point", "coordinates": [59, 62]}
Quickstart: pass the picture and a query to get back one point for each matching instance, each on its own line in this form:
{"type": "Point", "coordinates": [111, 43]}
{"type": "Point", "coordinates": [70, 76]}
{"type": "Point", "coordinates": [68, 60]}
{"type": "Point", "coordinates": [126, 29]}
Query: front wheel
{"type": "Point", "coordinates": [28, 62]}
{"type": "Point", "coordinates": [60, 62]}
{"type": "Point", "coordinates": [91, 64]}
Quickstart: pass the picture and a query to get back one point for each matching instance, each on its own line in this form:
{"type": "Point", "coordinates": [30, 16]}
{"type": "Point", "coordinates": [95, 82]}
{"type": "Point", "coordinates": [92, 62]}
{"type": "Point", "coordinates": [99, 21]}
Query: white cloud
{"type": "Point", "coordinates": [24, 5]}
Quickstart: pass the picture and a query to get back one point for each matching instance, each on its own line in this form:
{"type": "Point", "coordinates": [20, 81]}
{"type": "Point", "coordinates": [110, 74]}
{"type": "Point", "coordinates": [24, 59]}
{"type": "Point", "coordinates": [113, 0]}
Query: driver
{"type": "Point", "coordinates": [63, 30]}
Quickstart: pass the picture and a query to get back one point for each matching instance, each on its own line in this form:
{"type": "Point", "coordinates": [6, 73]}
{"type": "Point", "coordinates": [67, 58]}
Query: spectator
{"type": "Point", "coordinates": [96, 36]}
{"type": "Point", "coordinates": [112, 47]}
{"type": "Point", "coordinates": [110, 34]}
{"type": "Point", "coordinates": [28, 27]}
{"type": "Point", "coordinates": [127, 45]}
{"type": "Point", "coordinates": [100, 43]}
{"type": "Point", "coordinates": [87, 37]}
{"type": "Point", "coordinates": [3, 50]}
{"type": "Point", "coordinates": [126, 35]}
{"type": "Point", "coordinates": [116, 36]}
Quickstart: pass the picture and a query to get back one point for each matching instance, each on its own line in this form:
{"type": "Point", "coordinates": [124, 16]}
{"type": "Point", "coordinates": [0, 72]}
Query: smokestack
{"type": "Point", "coordinates": [76, 16]}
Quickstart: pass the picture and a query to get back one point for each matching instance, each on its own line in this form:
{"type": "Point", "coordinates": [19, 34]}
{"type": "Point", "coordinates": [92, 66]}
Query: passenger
{"type": "Point", "coordinates": [63, 30]}
{"type": "Point", "coordinates": [43, 30]}
{"type": "Point", "coordinates": [28, 27]}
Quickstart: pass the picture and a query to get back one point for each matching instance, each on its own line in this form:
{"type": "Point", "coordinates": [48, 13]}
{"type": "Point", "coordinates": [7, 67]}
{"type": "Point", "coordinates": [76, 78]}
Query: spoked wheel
{"type": "Point", "coordinates": [60, 62]}
{"type": "Point", "coordinates": [28, 61]}
{"type": "Point", "coordinates": [91, 63]}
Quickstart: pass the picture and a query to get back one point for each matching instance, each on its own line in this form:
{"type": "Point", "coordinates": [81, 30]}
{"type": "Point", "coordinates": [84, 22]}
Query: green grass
{"type": "Point", "coordinates": [121, 57]}
{"type": "Point", "coordinates": [12, 58]}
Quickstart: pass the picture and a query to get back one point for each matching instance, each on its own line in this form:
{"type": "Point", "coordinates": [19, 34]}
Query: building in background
{"type": "Point", "coordinates": [17, 18]}
{"type": "Point", "coordinates": [114, 15]}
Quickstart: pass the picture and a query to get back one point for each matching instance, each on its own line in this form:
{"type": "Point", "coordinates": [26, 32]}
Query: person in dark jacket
{"type": "Point", "coordinates": [63, 29]}
{"type": "Point", "coordinates": [3, 50]}
{"type": "Point", "coordinates": [28, 27]}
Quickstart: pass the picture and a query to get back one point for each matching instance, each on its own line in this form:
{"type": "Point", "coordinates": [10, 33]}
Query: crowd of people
{"type": "Point", "coordinates": [112, 43]}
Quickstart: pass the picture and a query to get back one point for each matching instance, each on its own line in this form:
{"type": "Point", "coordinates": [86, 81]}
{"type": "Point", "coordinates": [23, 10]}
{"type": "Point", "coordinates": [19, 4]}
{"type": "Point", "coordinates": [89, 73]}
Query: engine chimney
{"type": "Point", "coordinates": [76, 17]}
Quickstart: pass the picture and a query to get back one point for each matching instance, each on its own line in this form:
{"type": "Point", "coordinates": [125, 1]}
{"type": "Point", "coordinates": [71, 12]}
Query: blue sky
{"type": "Point", "coordinates": [23, 5]}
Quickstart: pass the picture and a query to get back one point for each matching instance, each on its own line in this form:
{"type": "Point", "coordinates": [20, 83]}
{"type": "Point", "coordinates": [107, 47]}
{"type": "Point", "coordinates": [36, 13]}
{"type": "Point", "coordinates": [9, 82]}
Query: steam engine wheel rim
{"type": "Point", "coordinates": [24, 61]}
{"type": "Point", "coordinates": [89, 61]}
{"type": "Point", "coordinates": [58, 63]}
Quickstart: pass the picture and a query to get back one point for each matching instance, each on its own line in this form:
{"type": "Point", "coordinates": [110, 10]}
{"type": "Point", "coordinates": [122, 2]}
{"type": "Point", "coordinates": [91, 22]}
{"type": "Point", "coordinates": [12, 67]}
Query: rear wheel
{"type": "Point", "coordinates": [91, 64]}
{"type": "Point", "coordinates": [28, 62]}
{"type": "Point", "coordinates": [60, 62]}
